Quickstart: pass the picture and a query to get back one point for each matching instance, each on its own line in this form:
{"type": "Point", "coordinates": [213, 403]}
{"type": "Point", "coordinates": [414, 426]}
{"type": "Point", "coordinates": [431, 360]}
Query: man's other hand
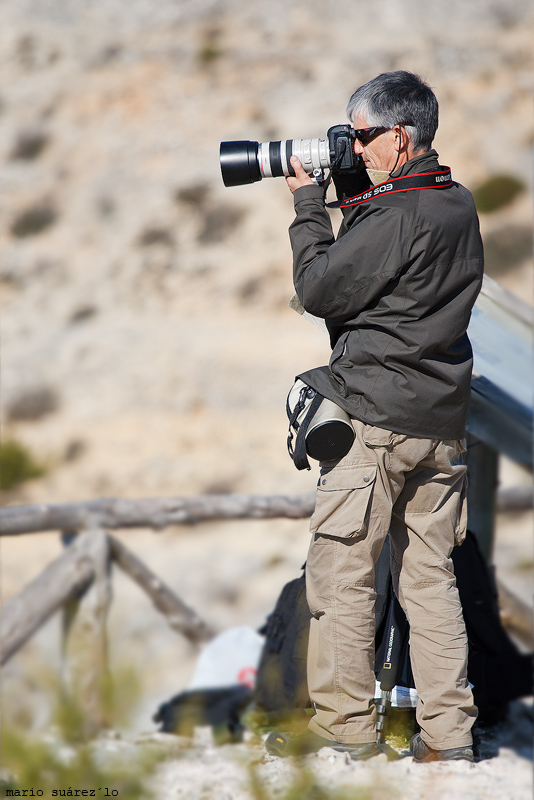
{"type": "Point", "coordinates": [301, 177]}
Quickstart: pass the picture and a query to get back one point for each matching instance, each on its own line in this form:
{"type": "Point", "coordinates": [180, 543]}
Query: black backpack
{"type": "Point", "coordinates": [281, 684]}
{"type": "Point", "coordinates": [496, 668]}
{"type": "Point", "coordinates": [222, 708]}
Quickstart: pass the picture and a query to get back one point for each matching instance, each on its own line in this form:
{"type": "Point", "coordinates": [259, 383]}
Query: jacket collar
{"type": "Point", "coordinates": [425, 162]}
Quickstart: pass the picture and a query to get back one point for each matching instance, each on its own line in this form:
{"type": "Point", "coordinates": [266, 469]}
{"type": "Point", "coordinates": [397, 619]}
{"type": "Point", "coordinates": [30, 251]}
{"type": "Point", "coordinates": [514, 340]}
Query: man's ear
{"type": "Point", "coordinates": [402, 140]}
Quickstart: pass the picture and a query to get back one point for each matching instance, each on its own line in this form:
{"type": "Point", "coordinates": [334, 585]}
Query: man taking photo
{"type": "Point", "coordinates": [396, 288]}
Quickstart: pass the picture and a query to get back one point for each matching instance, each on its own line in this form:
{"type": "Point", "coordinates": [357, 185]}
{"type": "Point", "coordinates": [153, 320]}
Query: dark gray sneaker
{"type": "Point", "coordinates": [422, 753]}
{"type": "Point", "coordinates": [300, 744]}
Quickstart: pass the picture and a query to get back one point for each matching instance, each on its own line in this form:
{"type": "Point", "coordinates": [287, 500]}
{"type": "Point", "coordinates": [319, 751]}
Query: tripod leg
{"type": "Point", "coordinates": [383, 704]}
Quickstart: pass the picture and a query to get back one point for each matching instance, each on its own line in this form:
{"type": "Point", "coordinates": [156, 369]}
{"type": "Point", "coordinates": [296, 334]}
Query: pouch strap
{"type": "Point", "coordinates": [300, 457]}
{"type": "Point", "coordinates": [294, 414]}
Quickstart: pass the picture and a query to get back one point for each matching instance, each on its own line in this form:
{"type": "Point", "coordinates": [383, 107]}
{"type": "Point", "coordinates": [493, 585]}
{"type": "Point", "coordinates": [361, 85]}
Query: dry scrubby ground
{"type": "Point", "coordinates": [147, 343]}
{"type": "Point", "coordinates": [197, 770]}
{"type": "Point", "coordinates": [508, 777]}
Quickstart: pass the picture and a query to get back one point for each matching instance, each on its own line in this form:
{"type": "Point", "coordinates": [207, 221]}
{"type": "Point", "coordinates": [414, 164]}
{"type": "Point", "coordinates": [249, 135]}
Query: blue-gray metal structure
{"type": "Point", "coordinates": [502, 391]}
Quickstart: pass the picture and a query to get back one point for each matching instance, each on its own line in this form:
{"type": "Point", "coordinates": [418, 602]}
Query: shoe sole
{"type": "Point", "coordinates": [456, 754]}
{"type": "Point", "coordinates": [278, 744]}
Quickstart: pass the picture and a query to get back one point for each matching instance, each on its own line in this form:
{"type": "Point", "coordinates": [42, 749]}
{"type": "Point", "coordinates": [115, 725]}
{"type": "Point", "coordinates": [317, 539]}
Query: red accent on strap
{"type": "Point", "coordinates": [396, 191]}
{"type": "Point", "coordinates": [444, 185]}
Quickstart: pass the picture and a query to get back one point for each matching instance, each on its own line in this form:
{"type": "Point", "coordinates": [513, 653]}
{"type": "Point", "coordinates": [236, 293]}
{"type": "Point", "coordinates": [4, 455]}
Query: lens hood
{"type": "Point", "coordinates": [239, 163]}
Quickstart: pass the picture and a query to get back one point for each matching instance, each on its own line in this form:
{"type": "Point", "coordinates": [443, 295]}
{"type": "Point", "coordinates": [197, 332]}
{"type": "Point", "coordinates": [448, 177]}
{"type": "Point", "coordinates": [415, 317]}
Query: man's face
{"type": "Point", "coordinates": [381, 152]}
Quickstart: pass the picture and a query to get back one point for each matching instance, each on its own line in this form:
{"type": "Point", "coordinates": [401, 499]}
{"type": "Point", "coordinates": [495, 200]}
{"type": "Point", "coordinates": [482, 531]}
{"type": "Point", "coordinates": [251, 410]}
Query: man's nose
{"type": "Point", "coordinates": [358, 147]}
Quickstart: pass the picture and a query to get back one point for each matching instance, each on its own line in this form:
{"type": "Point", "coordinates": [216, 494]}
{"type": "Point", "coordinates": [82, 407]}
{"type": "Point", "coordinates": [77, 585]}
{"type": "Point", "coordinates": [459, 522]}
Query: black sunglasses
{"type": "Point", "coordinates": [364, 135]}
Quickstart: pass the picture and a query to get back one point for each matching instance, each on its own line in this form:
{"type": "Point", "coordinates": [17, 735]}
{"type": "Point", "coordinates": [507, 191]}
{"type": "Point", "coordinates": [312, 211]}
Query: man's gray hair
{"type": "Point", "coordinates": [398, 98]}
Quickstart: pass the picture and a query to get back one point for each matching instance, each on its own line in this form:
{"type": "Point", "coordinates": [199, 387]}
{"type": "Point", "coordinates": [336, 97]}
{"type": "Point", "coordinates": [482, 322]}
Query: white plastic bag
{"type": "Point", "coordinates": [231, 657]}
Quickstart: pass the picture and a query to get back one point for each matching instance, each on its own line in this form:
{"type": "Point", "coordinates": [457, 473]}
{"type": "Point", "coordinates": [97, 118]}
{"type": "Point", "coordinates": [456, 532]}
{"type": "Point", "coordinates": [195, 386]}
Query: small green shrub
{"type": "Point", "coordinates": [497, 192]}
{"type": "Point", "coordinates": [219, 223]}
{"type": "Point", "coordinates": [251, 289]}
{"type": "Point", "coordinates": [506, 248]}
{"type": "Point", "coordinates": [33, 220]}
{"type": "Point", "coordinates": [106, 207]}
{"type": "Point", "coordinates": [29, 145]}
{"type": "Point", "coordinates": [32, 765]}
{"type": "Point", "coordinates": [32, 404]}
{"type": "Point", "coordinates": [304, 786]}
{"type": "Point", "coordinates": [69, 760]}
{"type": "Point", "coordinates": [525, 565]}
{"type": "Point", "coordinates": [209, 49]}
{"type": "Point", "coordinates": [82, 314]}
{"type": "Point", "coordinates": [196, 196]}
{"type": "Point", "coordinates": [113, 705]}
{"type": "Point", "coordinates": [109, 54]}
{"type": "Point", "coordinates": [75, 449]}
{"type": "Point", "coordinates": [17, 465]}
{"type": "Point", "coordinates": [155, 235]}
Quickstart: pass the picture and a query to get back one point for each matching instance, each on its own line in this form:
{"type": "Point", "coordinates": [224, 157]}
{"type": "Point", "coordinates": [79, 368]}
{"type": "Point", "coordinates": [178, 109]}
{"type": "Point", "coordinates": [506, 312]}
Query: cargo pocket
{"type": "Point", "coordinates": [343, 499]}
{"type": "Point", "coordinates": [428, 493]}
{"type": "Point", "coordinates": [381, 437]}
{"type": "Point", "coordinates": [377, 437]}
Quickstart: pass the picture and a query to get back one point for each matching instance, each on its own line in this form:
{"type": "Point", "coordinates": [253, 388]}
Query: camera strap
{"type": "Point", "coordinates": [442, 179]}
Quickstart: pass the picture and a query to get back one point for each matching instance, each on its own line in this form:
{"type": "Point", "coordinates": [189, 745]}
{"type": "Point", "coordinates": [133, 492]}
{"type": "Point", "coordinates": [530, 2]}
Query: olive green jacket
{"type": "Point", "coordinates": [396, 288]}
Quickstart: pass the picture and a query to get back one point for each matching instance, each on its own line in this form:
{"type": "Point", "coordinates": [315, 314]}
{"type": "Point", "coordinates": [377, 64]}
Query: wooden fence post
{"type": "Point", "coordinates": [179, 616]}
{"type": "Point", "coordinates": [85, 646]}
{"type": "Point", "coordinates": [22, 615]}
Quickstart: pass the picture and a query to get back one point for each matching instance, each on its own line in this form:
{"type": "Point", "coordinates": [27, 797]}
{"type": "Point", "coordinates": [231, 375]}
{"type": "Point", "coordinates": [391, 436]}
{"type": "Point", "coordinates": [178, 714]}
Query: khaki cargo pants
{"type": "Point", "coordinates": [415, 490]}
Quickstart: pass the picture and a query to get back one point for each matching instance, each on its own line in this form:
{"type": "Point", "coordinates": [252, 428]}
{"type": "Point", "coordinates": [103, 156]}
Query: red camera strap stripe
{"type": "Point", "coordinates": [442, 179]}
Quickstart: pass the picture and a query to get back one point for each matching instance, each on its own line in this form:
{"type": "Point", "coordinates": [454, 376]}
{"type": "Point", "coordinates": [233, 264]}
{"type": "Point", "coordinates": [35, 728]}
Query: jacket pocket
{"type": "Point", "coordinates": [343, 499]}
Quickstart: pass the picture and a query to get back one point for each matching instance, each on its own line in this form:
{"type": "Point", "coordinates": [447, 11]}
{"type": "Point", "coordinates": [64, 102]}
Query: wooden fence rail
{"type": "Point", "coordinates": [79, 580]}
{"type": "Point", "coordinates": [160, 512]}
{"type": "Point", "coordinates": [157, 513]}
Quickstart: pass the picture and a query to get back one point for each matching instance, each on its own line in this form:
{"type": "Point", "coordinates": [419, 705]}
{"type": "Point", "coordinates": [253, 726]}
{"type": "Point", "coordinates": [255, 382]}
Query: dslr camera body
{"type": "Point", "coordinates": [248, 162]}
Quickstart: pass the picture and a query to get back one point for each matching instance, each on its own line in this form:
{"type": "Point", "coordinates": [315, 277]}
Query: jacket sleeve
{"type": "Point", "coordinates": [337, 279]}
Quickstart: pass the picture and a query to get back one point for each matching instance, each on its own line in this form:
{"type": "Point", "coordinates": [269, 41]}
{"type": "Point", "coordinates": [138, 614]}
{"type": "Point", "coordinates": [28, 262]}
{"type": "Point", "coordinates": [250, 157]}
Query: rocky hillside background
{"type": "Point", "coordinates": [144, 305]}
{"type": "Point", "coordinates": [147, 345]}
